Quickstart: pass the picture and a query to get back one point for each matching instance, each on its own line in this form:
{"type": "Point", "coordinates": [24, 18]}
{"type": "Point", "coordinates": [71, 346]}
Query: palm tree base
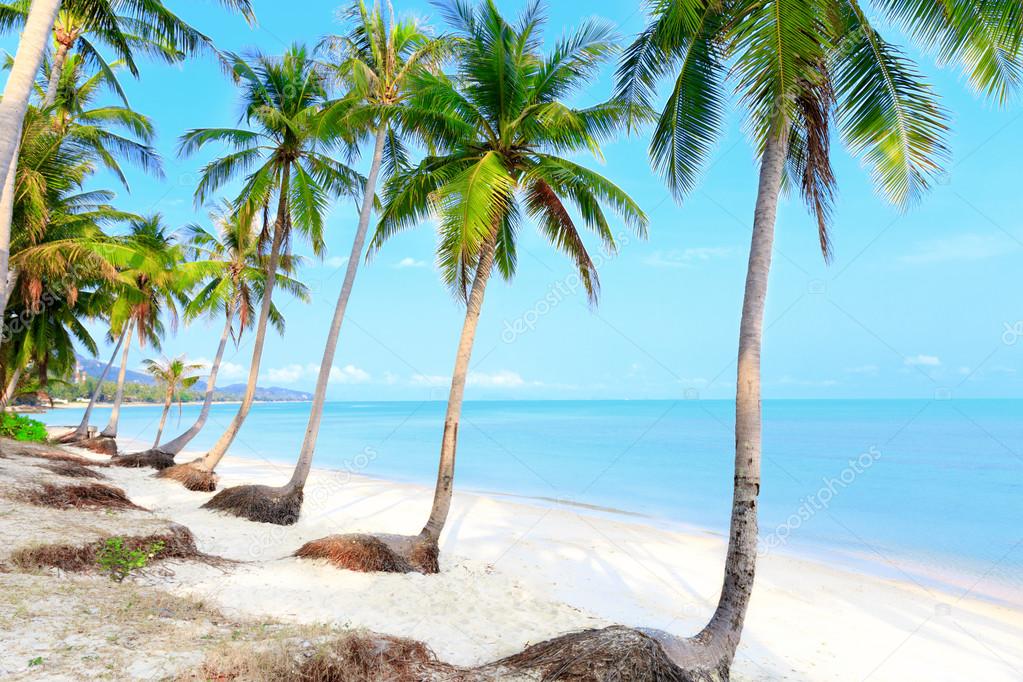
{"type": "Point", "coordinates": [615, 652]}
{"type": "Point", "coordinates": [191, 476]}
{"type": "Point", "coordinates": [155, 459]}
{"type": "Point", "coordinates": [101, 445]}
{"type": "Point", "coordinates": [260, 503]}
{"type": "Point", "coordinates": [375, 553]}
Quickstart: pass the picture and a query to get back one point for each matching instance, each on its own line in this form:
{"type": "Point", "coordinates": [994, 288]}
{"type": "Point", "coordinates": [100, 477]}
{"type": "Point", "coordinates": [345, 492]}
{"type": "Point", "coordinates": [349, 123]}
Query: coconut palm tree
{"type": "Point", "coordinates": [232, 291]}
{"type": "Point", "coordinates": [799, 69]}
{"type": "Point", "coordinates": [125, 26]}
{"type": "Point", "coordinates": [503, 134]}
{"type": "Point", "coordinates": [285, 153]}
{"type": "Point", "coordinates": [374, 63]}
{"type": "Point", "coordinates": [174, 376]}
{"type": "Point", "coordinates": [13, 105]}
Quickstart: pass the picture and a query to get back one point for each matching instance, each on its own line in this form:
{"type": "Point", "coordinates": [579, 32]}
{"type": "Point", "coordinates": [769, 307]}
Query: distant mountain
{"type": "Point", "coordinates": [94, 368]}
{"type": "Point", "coordinates": [235, 392]}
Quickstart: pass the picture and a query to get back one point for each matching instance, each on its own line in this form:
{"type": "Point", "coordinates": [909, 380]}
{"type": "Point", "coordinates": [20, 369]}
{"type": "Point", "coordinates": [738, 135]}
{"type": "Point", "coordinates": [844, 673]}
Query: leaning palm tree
{"type": "Point", "coordinates": [503, 134]}
{"type": "Point", "coordinates": [232, 290]}
{"type": "Point", "coordinates": [374, 62]}
{"type": "Point", "coordinates": [285, 153]}
{"type": "Point", "coordinates": [175, 376]}
{"type": "Point", "coordinates": [799, 69]}
{"type": "Point", "coordinates": [126, 26]}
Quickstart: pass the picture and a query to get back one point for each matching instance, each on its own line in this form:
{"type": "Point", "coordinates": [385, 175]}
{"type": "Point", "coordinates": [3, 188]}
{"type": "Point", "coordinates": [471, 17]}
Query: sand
{"type": "Point", "coordinates": [515, 572]}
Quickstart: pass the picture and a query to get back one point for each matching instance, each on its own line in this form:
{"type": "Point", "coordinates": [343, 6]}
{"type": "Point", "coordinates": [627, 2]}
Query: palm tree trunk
{"type": "Point", "coordinates": [83, 427]}
{"type": "Point", "coordinates": [111, 428]}
{"type": "Point", "coordinates": [59, 57]}
{"type": "Point", "coordinates": [305, 455]}
{"type": "Point", "coordinates": [12, 386]}
{"type": "Point", "coordinates": [31, 48]}
{"type": "Point", "coordinates": [178, 444]}
{"type": "Point", "coordinates": [449, 441]}
{"type": "Point", "coordinates": [43, 373]}
{"type": "Point", "coordinates": [219, 448]}
{"type": "Point", "coordinates": [721, 635]}
{"type": "Point", "coordinates": [163, 419]}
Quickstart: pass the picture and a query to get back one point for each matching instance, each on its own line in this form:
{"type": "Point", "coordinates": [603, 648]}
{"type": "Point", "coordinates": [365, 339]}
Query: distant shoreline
{"type": "Point", "coordinates": [85, 403]}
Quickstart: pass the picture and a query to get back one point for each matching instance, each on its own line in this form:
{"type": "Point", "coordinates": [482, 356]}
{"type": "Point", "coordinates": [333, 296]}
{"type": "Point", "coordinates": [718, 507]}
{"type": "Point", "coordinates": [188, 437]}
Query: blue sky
{"type": "Point", "coordinates": [918, 304]}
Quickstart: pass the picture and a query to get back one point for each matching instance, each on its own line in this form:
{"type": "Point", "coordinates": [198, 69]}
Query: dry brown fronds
{"type": "Point", "coordinates": [356, 657]}
{"type": "Point", "coordinates": [260, 503]}
{"type": "Point", "coordinates": [140, 460]}
{"type": "Point", "coordinates": [71, 470]}
{"type": "Point", "coordinates": [56, 456]}
{"type": "Point", "coordinates": [191, 476]}
{"type": "Point", "coordinates": [178, 543]}
{"type": "Point", "coordinates": [101, 445]}
{"type": "Point", "coordinates": [82, 495]}
{"type": "Point", "coordinates": [369, 553]}
{"type": "Point", "coordinates": [614, 653]}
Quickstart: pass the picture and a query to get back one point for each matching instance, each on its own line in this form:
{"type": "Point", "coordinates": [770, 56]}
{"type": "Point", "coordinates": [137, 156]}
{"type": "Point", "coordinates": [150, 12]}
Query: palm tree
{"type": "Point", "coordinates": [375, 63]}
{"type": "Point", "coordinates": [13, 105]}
{"type": "Point", "coordinates": [285, 102]}
{"type": "Point", "coordinates": [126, 26]}
{"type": "Point", "coordinates": [502, 134]}
{"type": "Point", "coordinates": [175, 376]}
{"type": "Point", "coordinates": [795, 65]}
{"type": "Point", "coordinates": [232, 291]}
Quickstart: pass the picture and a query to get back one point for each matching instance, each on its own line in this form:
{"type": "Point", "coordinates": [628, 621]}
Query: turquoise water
{"type": "Point", "coordinates": [932, 488]}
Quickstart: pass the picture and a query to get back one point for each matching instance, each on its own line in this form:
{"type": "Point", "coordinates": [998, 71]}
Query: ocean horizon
{"type": "Point", "coordinates": [859, 483]}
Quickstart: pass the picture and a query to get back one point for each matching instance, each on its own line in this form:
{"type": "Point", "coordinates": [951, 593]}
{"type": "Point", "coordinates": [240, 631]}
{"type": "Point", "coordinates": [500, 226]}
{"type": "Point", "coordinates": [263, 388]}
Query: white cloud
{"type": "Point", "coordinates": [290, 374]}
{"type": "Point", "coordinates": [336, 261]}
{"type": "Point", "coordinates": [429, 380]}
{"type": "Point", "coordinates": [500, 379]}
{"type": "Point", "coordinates": [285, 375]}
{"type": "Point", "coordinates": [684, 258]}
{"type": "Point", "coordinates": [923, 361]}
{"type": "Point", "coordinates": [870, 370]}
{"type": "Point", "coordinates": [228, 370]}
{"type": "Point", "coordinates": [963, 247]}
{"type": "Point", "coordinates": [408, 262]}
{"type": "Point", "coordinates": [349, 374]}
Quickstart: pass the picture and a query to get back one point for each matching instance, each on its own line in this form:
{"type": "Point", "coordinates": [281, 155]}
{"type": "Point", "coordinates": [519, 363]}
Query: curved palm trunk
{"type": "Point", "coordinates": [110, 431]}
{"type": "Point", "coordinates": [12, 386]}
{"type": "Point", "coordinates": [163, 419]}
{"type": "Point", "coordinates": [219, 449]}
{"type": "Point", "coordinates": [709, 654]}
{"type": "Point", "coordinates": [43, 376]}
{"type": "Point", "coordinates": [178, 444]}
{"type": "Point", "coordinates": [449, 441]}
{"type": "Point", "coordinates": [305, 456]}
{"type": "Point", "coordinates": [31, 48]}
{"type": "Point", "coordinates": [83, 428]}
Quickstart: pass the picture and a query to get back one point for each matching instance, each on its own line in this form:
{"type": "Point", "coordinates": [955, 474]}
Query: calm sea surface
{"type": "Point", "coordinates": [928, 489]}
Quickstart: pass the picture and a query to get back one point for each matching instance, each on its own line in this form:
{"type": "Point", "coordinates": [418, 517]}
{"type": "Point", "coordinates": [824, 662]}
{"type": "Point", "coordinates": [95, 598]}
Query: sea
{"type": "Point", "coordinates": [923, 490]}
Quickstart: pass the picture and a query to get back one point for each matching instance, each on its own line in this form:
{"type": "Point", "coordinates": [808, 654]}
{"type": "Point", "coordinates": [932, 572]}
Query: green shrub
{"type": "Point", "coordinates": [19, 427]}
{"type": "Point", "coordinates": [118, 561]}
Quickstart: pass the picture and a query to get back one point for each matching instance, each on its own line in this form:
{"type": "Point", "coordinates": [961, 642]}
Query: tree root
{"type": "Point", "coordinates": [371, 553]}
{"type": "Point", "coordinates": [191, 476]}
{"type": "Point", "coordinates": [178, 543]}
{"type": "Point", "coordinates": [71, 470]}
{"type": "Point", "coordinates": [102, 445]}
{"type": "Point", "coordinates": [82, 495]}
{"type": "Point", "coordinates": [148, 458]}
{"type": "Point", "coordinates": [612, 654]}
{"type": "Point", "coordinates": [261, 503]}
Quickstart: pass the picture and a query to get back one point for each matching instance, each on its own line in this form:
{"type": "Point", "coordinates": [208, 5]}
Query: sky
{"type": "Point", "coordinates": [923, 303]}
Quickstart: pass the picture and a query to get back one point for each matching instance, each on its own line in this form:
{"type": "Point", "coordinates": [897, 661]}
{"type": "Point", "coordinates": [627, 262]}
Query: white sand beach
{"type": "Point", "coordinates": [514, 573]}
